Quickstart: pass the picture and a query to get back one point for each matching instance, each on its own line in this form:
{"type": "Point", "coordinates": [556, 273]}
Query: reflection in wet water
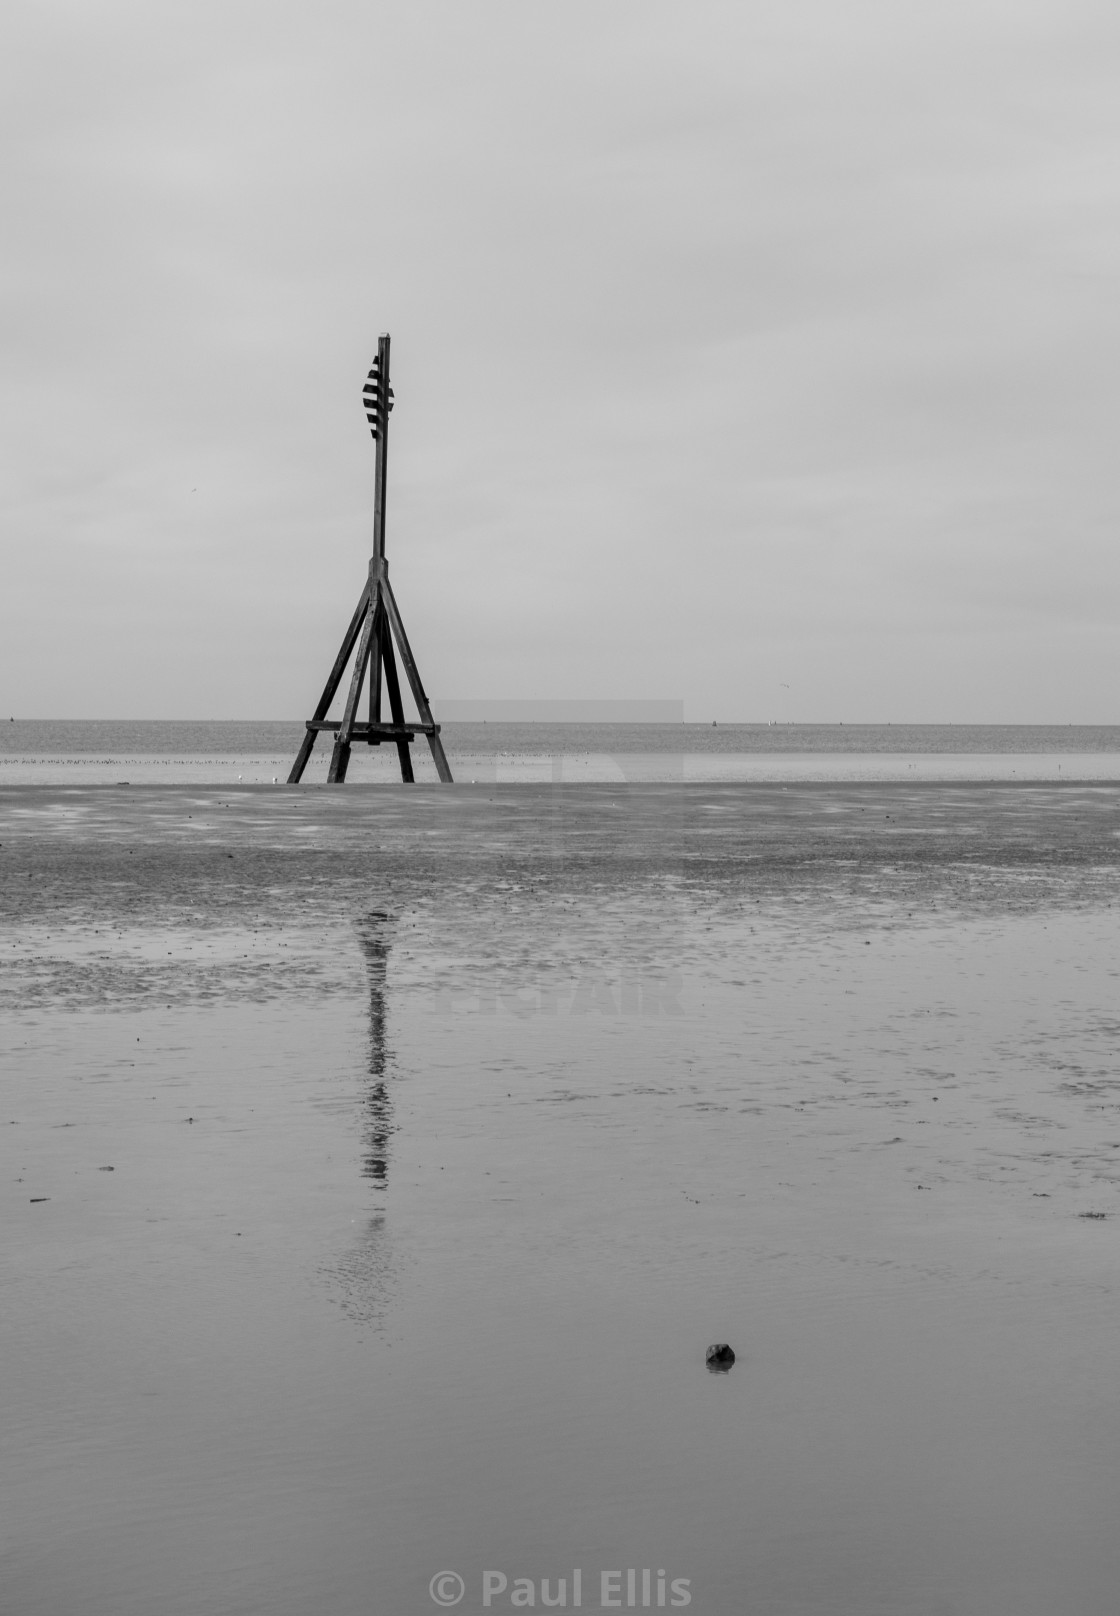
{"type": "Point", "coordinates": [363, 1275]}
{"type": "Point", "coordinates": [373, 933]}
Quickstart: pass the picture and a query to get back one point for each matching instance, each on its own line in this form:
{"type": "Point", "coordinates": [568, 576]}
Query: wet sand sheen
{"type": "Point", "coordinates": [505, 1104]}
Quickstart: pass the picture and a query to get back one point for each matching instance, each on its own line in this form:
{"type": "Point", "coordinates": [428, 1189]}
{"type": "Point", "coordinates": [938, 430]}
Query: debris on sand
{"type": "Point", "coordinates": [719, 1358]}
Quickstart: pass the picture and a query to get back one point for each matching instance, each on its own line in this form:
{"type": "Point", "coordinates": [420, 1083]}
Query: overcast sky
{"type": "Point", "coordinates": [764, 355]}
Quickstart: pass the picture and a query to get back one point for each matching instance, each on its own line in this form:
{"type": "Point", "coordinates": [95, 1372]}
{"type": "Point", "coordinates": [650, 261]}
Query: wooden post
{"type": "Point", "coordinates": [383, 395]}
{"type": "Point", "coordinates": [375, 674]}
{"type": "Point", "coordinates": [341, 756]}
{"type": "Point", "coordinates": [392, 685]}
{"type": "Point", "coordinates": [429, 725]}
{"type": "Point", "coordinates": [334, 678]}
{"type": "Point", "coordinates": [373, 628]}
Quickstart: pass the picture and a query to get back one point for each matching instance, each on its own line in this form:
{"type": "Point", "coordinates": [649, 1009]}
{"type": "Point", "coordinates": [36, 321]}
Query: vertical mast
{"type": "Point", "coordinates": [379, 422]}
{"type": "Point", "coordinates": [384, 405]}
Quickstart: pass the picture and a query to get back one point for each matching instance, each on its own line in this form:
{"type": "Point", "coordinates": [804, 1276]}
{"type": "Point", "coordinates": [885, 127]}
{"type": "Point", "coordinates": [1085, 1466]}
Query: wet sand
{"type": "Point", "coordinates": [379, 1164]}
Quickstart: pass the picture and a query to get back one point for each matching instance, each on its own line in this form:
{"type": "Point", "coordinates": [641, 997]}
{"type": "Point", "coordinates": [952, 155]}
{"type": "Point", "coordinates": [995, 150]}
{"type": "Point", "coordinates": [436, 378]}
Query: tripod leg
{"type": "Point", "coordinates": [393, 686]}
{"type": "Point", "coordinates": [305, 749]}
{"type": "Point", "coordinates": [379, 632]}
{"type": "Point", "coordinates": [340, 757]}
{"type": "Point", "coordinates": [413, 673]}
{"type": "Point", "coordinates": [331, 686]}
{"type": "Point", "coordinates": [443, 768]}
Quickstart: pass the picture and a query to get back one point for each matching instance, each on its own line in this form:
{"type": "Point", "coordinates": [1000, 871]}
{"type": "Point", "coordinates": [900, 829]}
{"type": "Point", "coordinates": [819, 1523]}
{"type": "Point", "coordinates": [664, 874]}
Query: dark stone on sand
{"type": "Point", "coordinates": [719, 1358]}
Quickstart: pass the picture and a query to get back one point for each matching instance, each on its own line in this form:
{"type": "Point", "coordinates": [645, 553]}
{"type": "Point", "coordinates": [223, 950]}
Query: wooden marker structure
{"type": "Point", "coordinates": [374, 626]}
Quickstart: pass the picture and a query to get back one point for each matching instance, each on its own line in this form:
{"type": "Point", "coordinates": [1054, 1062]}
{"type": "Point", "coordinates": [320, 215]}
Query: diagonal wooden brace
{"type": "Point", "coordinates": [340, 757]}
{"type": "Point", "coordinates": [332, 684]}
{"type": "Point", "coordinates": [413, 674]}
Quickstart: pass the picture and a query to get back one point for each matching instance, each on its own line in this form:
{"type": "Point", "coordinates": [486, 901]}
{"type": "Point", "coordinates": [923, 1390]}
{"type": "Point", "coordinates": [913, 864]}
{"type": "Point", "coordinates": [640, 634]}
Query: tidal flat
{"type": "Point", "coordinates": [380, 1162]}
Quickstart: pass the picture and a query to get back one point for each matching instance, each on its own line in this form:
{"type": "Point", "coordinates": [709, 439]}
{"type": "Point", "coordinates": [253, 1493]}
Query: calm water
{"type": "Point", "coordinates": [378, 1167]}
{"type": "Point", "coordinates": [108, 752]}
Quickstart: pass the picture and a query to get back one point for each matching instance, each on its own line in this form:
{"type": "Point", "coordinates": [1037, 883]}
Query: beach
{"type": "Point", "coordinates": [380, 1163]}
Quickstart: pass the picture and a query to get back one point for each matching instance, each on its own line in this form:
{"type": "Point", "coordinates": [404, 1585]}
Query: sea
{"type": "Point", "coordinates": [260, 752]}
